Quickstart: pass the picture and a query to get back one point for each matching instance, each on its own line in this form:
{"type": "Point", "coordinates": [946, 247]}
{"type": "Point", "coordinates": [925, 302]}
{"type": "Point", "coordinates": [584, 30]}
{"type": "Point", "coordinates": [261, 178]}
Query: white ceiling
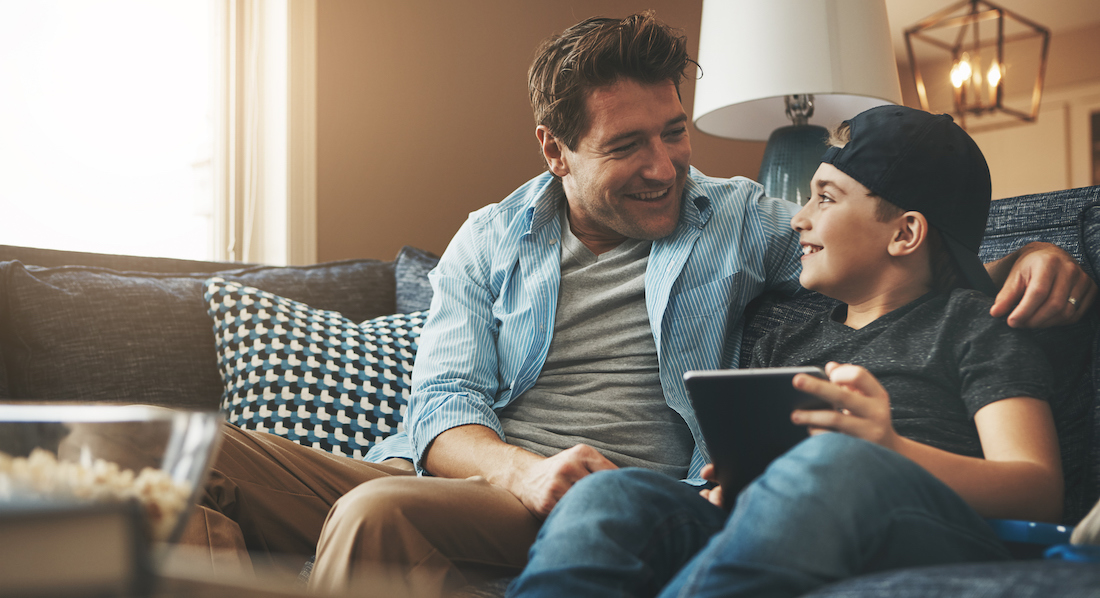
{"type": "Point", "coordinates": [1057, 15]}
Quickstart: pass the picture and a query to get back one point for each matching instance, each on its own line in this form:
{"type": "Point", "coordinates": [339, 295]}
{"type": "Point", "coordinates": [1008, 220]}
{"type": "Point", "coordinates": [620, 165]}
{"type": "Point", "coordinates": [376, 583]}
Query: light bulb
{"type": "Point", "coordinates": [994, 77]}
{"type": "Point", "coordinates": [961, 71]}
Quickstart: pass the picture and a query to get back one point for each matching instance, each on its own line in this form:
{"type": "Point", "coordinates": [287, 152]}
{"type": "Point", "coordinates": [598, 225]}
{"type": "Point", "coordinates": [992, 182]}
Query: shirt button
{"type": "Point", "coordinates": [553, 241]}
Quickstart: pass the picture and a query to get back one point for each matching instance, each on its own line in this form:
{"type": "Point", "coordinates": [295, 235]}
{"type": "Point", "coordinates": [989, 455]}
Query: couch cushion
{"type": "Point", "coordinates": [1071, 220]}
{"type": "Point", "coordinates": [359, 289]}
{"type": "Point", "coordinates": [1069, 349]}
{"type": "Point", "coordinates": [1090, 239]}
{"type": "Point", "coordinates": [75, 334]}
{"type": "Point", "coordinates": [1029, 579]}
{"type": "Point", "coordinates": [311, 375]}
{"type": "Point", "coordinates": [83, 333]}
{"type": "Point", "coordinates": [4, 392]}
{"type": "Point", "coordinates": [1055, 217]}
{"type": "Point", "coordinates": [414, 292]}
{"type": "Point", "coordinates": [56, 258]}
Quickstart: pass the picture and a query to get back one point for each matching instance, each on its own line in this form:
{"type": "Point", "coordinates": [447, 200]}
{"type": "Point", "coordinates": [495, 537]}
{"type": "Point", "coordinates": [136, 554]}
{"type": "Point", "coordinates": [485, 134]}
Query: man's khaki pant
{"type": "Point", "coordinates": [375, 528]}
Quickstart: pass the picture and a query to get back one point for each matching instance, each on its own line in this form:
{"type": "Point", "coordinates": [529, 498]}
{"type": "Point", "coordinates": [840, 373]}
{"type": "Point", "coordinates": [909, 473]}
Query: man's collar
{"type": "Point", "coordinates": [695, 208]}
{"type": "Point", "coordinates": [547, 205]}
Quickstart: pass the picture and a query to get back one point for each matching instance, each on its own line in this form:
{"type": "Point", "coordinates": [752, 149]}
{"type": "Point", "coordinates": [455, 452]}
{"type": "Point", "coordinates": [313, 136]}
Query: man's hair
{"type": "Point", "coordinates": [946, 274]}
{"type": "Point", "coordinates": [598, 52]}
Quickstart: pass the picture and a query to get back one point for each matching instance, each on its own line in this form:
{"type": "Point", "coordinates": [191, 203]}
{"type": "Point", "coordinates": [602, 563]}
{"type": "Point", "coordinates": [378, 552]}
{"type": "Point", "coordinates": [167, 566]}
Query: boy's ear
{"type": "Point", "coordinates": [552, 151]}
{"type": "Point", "coordinates": [910, 234]}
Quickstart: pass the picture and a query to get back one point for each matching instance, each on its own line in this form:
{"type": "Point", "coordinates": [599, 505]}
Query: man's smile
{"type": "Point", "coordinates": [650, 196]}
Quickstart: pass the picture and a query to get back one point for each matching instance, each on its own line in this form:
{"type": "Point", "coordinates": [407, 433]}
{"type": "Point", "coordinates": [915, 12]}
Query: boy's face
{"type": "Point", "coordinates": [844, 245]}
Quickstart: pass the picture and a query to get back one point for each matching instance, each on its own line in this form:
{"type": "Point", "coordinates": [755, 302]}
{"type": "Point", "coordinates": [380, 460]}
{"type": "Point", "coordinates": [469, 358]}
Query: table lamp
{"type": "Point", "coordinates": [768, 67]}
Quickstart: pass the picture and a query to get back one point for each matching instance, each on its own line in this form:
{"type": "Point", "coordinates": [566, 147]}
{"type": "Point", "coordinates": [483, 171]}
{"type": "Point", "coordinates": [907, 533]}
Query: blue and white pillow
{"type": "Point", "coordinates": [310, 375]}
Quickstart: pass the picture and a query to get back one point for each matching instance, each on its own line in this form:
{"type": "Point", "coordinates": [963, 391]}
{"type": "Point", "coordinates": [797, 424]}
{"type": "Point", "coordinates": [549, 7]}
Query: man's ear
{"type": "Point", "coordinates": [911, 232]}
{"type": "Point", "coordinates": [552, 151]}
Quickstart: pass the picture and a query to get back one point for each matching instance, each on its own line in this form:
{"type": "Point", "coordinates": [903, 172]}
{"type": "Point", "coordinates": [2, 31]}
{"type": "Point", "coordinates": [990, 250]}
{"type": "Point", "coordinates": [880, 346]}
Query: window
{"type": "Point", "coordinates": [106, 113]}
{"type": "Point", "coordinates": [177, 128]}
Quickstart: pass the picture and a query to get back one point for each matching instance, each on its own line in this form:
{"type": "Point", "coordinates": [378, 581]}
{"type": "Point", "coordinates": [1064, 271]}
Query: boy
{"type": "Point", "coordinates": [943, 421]}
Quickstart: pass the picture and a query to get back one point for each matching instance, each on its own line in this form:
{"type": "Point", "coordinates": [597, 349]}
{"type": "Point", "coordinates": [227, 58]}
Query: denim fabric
{"type": "Point", "coordinates": [624, 532]}
{"type": "Point", "coordinates": [835, 507]}
{"type": "Point", "coordinates": [832, 508]}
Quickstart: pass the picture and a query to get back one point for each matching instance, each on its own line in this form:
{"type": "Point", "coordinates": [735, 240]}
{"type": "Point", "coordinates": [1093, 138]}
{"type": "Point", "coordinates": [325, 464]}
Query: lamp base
{"type": "Point", "coordinates": [790, 159]}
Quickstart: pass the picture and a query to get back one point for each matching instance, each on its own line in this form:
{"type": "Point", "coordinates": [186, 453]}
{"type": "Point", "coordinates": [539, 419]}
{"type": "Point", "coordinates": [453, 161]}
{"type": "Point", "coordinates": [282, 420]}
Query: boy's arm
{"type": "Point", "coordinates": [1037, 282]}
{"type": "Point", "coordinates": [1020, 476]}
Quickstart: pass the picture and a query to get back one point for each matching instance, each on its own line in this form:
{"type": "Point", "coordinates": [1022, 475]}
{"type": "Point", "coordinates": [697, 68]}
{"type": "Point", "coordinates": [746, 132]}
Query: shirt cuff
{"type": "Point", "coordinates": [449, 412]}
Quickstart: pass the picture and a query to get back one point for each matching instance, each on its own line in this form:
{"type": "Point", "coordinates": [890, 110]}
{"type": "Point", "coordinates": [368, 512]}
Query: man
{"type": "Point", "coordinates": [562, 321]}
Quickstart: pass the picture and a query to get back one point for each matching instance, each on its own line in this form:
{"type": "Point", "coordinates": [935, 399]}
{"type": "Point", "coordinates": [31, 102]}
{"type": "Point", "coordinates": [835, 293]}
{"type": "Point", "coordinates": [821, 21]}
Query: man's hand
{"type": "Point", "coordinates": [1043, 286]}
{"type": "Point", "coordinates": [862, 404]}
{"type": "Point", "coordinates": [542, 484]}
{"type": "Point", "coordinates": [538, 482]}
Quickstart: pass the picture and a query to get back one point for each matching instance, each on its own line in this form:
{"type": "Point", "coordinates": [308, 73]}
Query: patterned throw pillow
{"type": "Point", "coordinates": [311, 375]}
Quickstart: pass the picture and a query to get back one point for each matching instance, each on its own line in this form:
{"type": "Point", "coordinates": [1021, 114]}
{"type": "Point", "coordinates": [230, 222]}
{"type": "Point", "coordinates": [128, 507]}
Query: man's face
{"type": "Point", "coordinates": [626, 176]}
{"type": "Point", "coordinates": [844, 244]}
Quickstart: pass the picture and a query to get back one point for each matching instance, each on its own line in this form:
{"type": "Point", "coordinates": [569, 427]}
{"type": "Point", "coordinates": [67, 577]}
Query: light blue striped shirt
{"type": "Point", "coordinates": [496, 291]}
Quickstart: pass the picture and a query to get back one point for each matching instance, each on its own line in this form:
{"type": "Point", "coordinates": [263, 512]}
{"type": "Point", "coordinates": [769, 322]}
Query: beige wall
{"type": "Point", "coordinates": [423, 113]}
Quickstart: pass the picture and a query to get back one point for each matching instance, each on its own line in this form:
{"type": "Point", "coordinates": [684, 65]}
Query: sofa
{"type": "Point", "coordinates": [322, 354]}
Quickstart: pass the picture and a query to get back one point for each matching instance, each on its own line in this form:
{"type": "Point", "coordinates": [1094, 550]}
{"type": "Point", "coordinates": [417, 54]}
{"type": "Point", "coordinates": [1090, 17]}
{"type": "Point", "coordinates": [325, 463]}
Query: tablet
{"type": "Point", "coordinates": [745, 417]}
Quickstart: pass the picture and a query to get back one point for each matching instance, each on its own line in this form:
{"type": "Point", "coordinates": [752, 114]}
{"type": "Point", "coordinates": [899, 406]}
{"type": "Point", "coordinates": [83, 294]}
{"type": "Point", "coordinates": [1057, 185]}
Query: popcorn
{"type": "Point", "coordinates": [163, 500]}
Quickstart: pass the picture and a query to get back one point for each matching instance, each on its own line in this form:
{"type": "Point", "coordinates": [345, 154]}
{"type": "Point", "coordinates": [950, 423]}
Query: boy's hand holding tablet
{"type": "Point", "coordinates": [861, 404]}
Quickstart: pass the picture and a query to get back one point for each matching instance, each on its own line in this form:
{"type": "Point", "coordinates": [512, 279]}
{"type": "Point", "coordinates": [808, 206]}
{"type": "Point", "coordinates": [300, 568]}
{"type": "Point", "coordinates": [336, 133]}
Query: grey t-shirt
{"type": "Point", "coordinates": [600, 384]}
{"type": "Point", "coordinates": [941, 358]}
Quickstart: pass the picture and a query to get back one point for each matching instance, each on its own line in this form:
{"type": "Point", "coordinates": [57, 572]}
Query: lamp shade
{"type": "Point", "coordinates": [754, 53]}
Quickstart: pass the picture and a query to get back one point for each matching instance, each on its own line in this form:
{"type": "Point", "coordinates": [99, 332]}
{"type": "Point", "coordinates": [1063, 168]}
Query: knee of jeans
{"type": "Point", "coordinates": [835, 447]}
{"type": "Point", "coordinates": [618, 493]}
{"type": "Point", "coordinates": [616, 483]}
{"type": "Point", "coordinates": [844, 463]}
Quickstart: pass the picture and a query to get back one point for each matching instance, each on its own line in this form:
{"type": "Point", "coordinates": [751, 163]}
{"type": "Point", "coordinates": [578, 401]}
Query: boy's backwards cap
{"type": "Point", "coordinates": [928, 164]}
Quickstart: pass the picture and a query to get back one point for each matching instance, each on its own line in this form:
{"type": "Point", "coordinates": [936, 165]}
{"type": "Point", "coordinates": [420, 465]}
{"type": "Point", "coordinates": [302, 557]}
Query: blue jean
{"type": "Point", "coordinates": [831, 508]}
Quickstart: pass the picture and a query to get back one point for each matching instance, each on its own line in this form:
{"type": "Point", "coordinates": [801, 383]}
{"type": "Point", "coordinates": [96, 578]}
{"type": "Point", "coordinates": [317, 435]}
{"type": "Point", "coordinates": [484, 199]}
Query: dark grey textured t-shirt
{"type": "Point", "coordinates": [941, 358]}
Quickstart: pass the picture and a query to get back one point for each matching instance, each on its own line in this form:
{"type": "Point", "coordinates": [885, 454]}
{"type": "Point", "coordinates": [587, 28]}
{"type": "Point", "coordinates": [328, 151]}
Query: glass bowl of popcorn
{"type": "Point", "coordinates": [73, 454]}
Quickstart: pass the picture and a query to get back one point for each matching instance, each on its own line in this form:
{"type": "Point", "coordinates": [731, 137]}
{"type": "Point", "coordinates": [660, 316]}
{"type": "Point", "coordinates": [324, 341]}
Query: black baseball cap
{"type": "Point", "coordinates": [925, 163]}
